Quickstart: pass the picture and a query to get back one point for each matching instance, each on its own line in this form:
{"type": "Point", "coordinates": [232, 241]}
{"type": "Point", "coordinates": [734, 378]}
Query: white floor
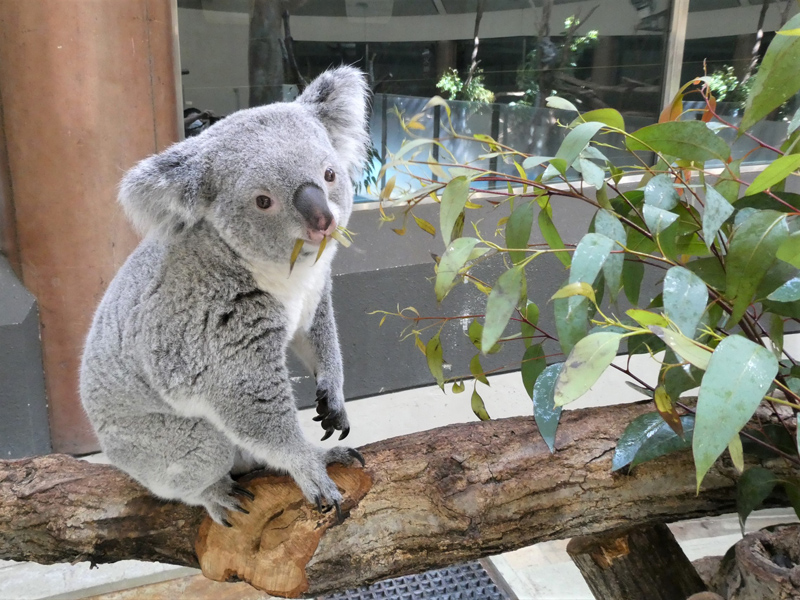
{"type": "Point", "coordinates": [541, 572]}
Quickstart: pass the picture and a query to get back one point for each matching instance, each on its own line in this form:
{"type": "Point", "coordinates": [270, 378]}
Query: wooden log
{"type": "Point", "coordinates": [437, 498]}
{"type": "Point", "coordinates": [642, 561]}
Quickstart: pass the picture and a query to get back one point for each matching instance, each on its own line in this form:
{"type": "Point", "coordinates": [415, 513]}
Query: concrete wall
{"type": "Point", "coordinates": [23, 429]}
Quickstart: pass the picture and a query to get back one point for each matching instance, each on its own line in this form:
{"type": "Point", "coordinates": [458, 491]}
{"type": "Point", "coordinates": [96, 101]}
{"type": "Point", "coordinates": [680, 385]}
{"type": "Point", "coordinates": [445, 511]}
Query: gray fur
{"type": "Point", "coordinates": [184, 373]}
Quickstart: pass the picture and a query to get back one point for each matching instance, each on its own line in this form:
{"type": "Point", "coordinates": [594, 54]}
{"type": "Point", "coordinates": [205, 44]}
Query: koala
{"type": "Point", "coordinates": [184, 375]}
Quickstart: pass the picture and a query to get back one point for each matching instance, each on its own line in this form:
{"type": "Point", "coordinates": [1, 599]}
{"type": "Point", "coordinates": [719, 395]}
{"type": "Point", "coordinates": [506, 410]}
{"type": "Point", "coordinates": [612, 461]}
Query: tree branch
{"type": "Point", "coordinates": [425, 500]}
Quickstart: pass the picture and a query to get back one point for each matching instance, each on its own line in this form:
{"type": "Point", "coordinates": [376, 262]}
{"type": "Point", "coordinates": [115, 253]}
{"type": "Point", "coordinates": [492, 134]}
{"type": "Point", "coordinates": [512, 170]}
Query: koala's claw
{"type": "Point", "coordinates": [241, 509]}
{"type": "Point", "coordinates": [226, 523]}
{"type": "Point", "coordinates": [345, 433]}
{"type": "Point", "coordinates": [237, 490]}
{"type": "Point", "coordinates": [338, 508]}
{"type": "Point", "coordinates": [318, 502]}
{"type": "Point", "coordinates": [357, 455]}
{"type": "Point", "coordinates": [328, 433]}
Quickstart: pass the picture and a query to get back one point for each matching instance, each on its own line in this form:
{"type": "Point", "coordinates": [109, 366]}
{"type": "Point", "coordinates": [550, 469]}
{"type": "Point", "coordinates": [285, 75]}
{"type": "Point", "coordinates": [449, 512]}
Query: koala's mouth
{"type": "Point", "coordinates": [315, 236]}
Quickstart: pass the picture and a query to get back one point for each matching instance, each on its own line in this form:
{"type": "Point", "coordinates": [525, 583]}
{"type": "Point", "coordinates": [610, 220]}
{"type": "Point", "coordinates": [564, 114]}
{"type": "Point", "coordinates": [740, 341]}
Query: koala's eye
{"type": "Point", "coordinates": [330, 175]}
{"type": "Point", "coordinates": [263, 202]}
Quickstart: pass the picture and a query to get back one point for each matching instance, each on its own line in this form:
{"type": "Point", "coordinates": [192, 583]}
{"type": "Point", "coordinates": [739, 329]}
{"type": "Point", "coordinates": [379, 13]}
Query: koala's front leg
{"type": "Point", "coordinates": [319, 349]}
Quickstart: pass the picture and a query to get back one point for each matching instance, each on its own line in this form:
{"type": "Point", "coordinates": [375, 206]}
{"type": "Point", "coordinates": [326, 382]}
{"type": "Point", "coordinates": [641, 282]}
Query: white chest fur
{"type": "Point", "coordinates": [298, 292]}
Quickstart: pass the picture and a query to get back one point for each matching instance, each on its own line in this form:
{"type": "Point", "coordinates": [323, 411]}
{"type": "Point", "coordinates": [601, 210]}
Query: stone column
{"type": "Point", "coordinates": [87, 88]}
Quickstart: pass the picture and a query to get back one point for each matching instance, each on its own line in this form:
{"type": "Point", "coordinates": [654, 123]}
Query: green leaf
{"type": "Point", "coordinates": [632, 273]}
{"type": "Point", "coordinates": [657, 219]}
{"type": "Point", "coordinates": [454, 258]}
{"type": "Point", "coordinates": [666, 409]}
{"type": "Point", "coordinates": [739, 373]}
{"type": "Point", "coordinates": [477, 370]}
{"type": "Point", "coordinates": [587, 361]}
{"type": "Point", "coordinates": [592, 174]}
{"type": "Point", "coordinates": [535, 161]}
{"type": "Point", "coordinates": [683, 347]}
{"type": "Point", "coordinates": [789, 250]}
{"type": "Point", "coordinates": [545, 412]}
{"type": "Point", "coordinates": [764, 201]}
{"type": "Point", "coordinates": [752, 251]}
{"type": "Point", "coordinates": [579, 288]}
{"type": "Point", "coordinates": [533, 363]}
{"type": "Point", "coordinates": [660, 192]}
{"type": "Point", "coordinates": [553, 238]}
{"type": "Point", "coordinates": [607, 116]}
{"type": "Point", "coordinates": [709, 270]}
{"type": "Point", "coordinates": [717, 211]}
{"type": "Point", "coordinates": [775, 329]}
{"type": "Point", "coordinates": [589, 257]}
{"type": "Point", "coordinates": [685, 298]}
{"type": "Point", "coordinates": [776, 171]}
{"type": "Point", "coordinates": [641, 430]}
{"type": "Point", "coordinates": [788, 292]}
{"type": "Point", "coordinates": [607, 224]}
{"type": "Point", "coordinates": [736, 452]}
{"type": "Point", "coordinates": [665, 441]}
{"type": "Point", "coordinates": [433, 353]}
{"type": "Point", "coordinates": [645, 318]}
{"type": "Point", "coordinates": [678, 378]}
{"type": "Point", "coordinates": [518, 230]}
{"type": "Point", "coordinates": [754, 486]}
{"type": "Point", "coordinates": [504, 297]}
{"type": "Point", "coordinates": [458, 387]}
{"type": "Point", "coordinates": [778, 77]}
{"type": "Point", "coordinates": [572, 321]}
{"type": "Point", "coordinates": [454, 198]}
{"type": "Point", "coordinates": [792, 489]}
{"type": "Point", "coordinates": [560, 103]}
{"type": "Point", "coordinates": [726, 185]}
{"type": "Point", "coordinates": [532, 316]}
{"type": "Point", "coordinates": [689, 140]}
{"type": "Point", "coordinates": [576, 141]}
{"type": "Point", "coordinates": [478, 407]}
{"type": "Point", "coordinates": [475, 333]}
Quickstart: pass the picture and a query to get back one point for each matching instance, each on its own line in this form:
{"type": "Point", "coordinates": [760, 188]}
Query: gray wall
{"type": "Point", "coordinates": [24, 429]}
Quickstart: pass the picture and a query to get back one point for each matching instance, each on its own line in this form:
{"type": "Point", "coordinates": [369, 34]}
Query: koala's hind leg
{"type": "Point", "coordinates": [176, 458]}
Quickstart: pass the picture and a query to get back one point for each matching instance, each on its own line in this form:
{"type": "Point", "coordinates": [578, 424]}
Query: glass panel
{"type": "Point", "coordinates": [234, 55]}
{"type": "Point", "coordinates": [722, 40]}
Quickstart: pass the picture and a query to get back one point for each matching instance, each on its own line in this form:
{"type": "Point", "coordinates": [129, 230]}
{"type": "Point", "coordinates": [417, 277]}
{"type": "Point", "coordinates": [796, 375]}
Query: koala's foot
{"type": "Point", "coordinates": [331, 412]}
{"type": "Point", "coordinates": [220, 497]}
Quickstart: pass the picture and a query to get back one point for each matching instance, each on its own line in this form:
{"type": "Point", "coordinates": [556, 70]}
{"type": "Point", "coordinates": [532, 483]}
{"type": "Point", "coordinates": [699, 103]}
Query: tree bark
{"type": "Point", "coordinates": [429, 499]}
{"type": "Point", "coordinates": [643, 561]}
{"type": "Point", "coordinates": [473, 65]}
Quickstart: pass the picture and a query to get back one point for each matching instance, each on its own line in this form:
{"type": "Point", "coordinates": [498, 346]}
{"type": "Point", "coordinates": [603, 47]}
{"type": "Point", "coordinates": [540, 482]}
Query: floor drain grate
{"type": "Point", "coordinates": [469, 581]}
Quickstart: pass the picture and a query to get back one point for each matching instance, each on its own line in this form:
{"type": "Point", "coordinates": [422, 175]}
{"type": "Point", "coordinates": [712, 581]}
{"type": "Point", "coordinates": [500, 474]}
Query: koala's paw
{"type": "Point", "coordinates": [320, 489]}
{"type": "Point", "coordinates": [330, 411]}
{"type": "Point", "coordinates": [221, 497]}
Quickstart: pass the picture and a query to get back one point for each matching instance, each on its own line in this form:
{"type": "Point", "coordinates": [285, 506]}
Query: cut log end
{"type": "Point", "coordinates": [270, 547]}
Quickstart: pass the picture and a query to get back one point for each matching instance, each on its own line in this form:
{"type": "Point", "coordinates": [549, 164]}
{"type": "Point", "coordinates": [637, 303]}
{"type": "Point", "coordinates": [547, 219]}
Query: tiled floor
{"type": "Point", "coordinates": [541, 572]}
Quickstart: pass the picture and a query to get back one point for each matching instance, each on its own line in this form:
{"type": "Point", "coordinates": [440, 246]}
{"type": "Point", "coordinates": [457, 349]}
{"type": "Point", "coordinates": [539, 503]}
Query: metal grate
{"type": "Point", "coordinates": [469, 581]}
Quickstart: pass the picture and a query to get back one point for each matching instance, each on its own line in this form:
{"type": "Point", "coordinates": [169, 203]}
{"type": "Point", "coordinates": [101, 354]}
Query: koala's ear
{"type": "Point", "coordinates": [339, 99]}
{"type": "Point", "coordinates": [165, 192]}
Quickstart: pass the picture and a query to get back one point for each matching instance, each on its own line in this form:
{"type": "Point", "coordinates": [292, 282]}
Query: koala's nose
{"type": "Point", "coordinates": [310, 202]}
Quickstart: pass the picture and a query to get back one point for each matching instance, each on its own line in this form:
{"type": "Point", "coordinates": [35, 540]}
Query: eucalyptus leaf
{"type": "Point", "coordinates": [553, 238]}
{"type": "Point", "coordinates": [535, 161]}
{"type": "Point", "coordinates": [576, 141]}
{"type": "Point", "coordinates": [500, 305]}
{"type": "Point", "coordinates": [657, 219]}
{"type": "Point", "coordinates": [788, 292]}
{"type": "Point", "coordinates": [454, 198]}
{"type": "Point", "coordinates": [776, 171]}
{"type": "Point", "coordinates": [665, 441]}
{"type": "Point", "coordinates": [592, 174]}
{"type": "Point", "coordinates": [754, 486]}
{"type": "Point", "coordinates": [589, 358]}
{"type": "Point", "coordinates": [478, 407]}
{"type": "Point", "coordinates": [545, 412]}
{"type": "Point", "coordinates": [433, 354]}
{"type": "Point", "coordinates": [789, 250]}
{"type": "Point", "coordinates": [683, 347]}
{"type": "Point", "coordinates": [455, 257]}
{"type": "Point", "coordinates": [607, 116]}
{"type": "Point", "coordinates": [632, 273]}
{"type": "Point", "coordinates": [661, 193]}
{"type": "Point", "coordinates": [739, 373]}
{"type": "Point", "coordinates": [778, 77]}
{"type": "Point", "coordinates": [717, 211]}
{"type": "Point", "coordinates": [685, 299]}
{"type": "Point", "coordinates": [589, 256]}
{"type": "Point", "coordinates": [572, 321]}
{"type": "Point", "coordinates": [531, 316]}
{"type": "Point", "coordinates": [689, 140]}
{"type": "Point", "coordinates": [477, 370]}
{"type": "Point", "coordinates": [532, 365]}
{"type": "Point", "coordinates": [608, 225]}
{"type": "Point", "coordinates": [751, 252]}
{"type": "Point", "coordinates": [518, 230]}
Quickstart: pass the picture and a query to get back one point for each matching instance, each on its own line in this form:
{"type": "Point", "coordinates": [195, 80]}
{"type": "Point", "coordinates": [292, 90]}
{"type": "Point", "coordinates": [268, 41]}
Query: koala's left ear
{"type": "Point", "coordinates": [339, 99]}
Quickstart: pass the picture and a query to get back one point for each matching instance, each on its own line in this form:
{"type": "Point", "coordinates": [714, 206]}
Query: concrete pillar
{"type": "Point", "coordinates": [87, 88]}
